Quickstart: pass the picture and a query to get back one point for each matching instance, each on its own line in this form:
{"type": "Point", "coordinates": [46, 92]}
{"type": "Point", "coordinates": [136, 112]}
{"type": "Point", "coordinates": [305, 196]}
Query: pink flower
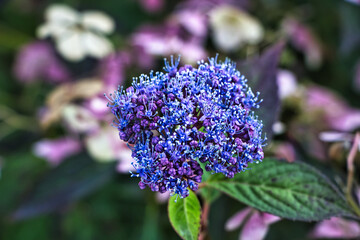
{"type": "Point", "coordinates": [207, 5]}
{"type": "Point", "coordinates": [125, 160]}
{"type": "Point", "coordinates": [98, 107]}
{"type": "Point", "coordinates": [162, 197]}
{"type": "Point", "coordinates": [337, 113]}
{"type": "Point", "coordinates": [56, 150]}
{"type": "Point", "coordinates": [304, 40]}
{"type": "Point", "coordinates": [152, 6]}
{"type": "Point", "coordinates": [336, 228]}
{"type": "Point", "coordinates": [287, 83]}
{"type": "Point", "coordinates": [113, 69]}
{"type": "Point", "coordinates": [255, 224]}
{"type": "Point", "coordinates": [285, 151]}
{"type": "Point", "coordinates": [193, 21]}
{"type": "Point", "coordinates": [184, 33]}
{"type": "Point", "coordinates": [37, 61]}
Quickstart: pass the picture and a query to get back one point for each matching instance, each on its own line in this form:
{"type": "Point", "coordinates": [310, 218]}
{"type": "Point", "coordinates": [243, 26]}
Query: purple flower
{"type": "Point", "coordinates": [192, 115]}
{"type": "Point", "coordinates": [36, 61]}
{"type": "Point", "coordinates": [56, 150]}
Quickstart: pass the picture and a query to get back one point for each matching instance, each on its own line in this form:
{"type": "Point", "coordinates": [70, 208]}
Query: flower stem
{"type": "Point", "coordinates": [350, 177]}
{"type": "Point", "coordinates": [204, 221]}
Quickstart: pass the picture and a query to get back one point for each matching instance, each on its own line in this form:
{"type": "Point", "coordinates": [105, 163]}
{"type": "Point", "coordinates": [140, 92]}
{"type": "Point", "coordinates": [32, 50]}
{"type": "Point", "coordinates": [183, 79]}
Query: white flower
{"type": "Point", "coordinates": [105, 146]}
{"type": "Point", "coordinates": [79, 119]}
{"type": "Point", "coordinates": [77, 34]}
{"type": "Point", "coordinates": [233, 28]}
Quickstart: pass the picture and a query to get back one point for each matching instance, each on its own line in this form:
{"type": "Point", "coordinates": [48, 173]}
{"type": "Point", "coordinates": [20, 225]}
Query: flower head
{"type": "Point", "coordinates": [176, 120]}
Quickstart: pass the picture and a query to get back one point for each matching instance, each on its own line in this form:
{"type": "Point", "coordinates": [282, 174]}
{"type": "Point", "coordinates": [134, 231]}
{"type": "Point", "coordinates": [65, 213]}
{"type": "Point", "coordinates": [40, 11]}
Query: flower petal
{"type": "Point", "coordinates": [96, 45]}
{"type": "Point", "coordinates": [269, 218]}
{"type": "Point", "coordinates": [98, 21]}
{"type": "Point", "coordinates": [125, 159]}
{"type": "Point", "coordinates": [255, 228]}
{"type": "Point", "coordinates": [99, 146]}
{"type": "Point", "coordinates": [70, 46]}
{"type": "Point", "coordinates": [336, 228]}
{"type": "Point", "coordinates": [79, 119]}
{"type": "Point", "coordinates": [233, 27]}
{"type": "Point", "coordinates": [236, 220]}
{"type": "Point", "coordinates": [61, 14]}
{"type": "Point", "coordinates": [51, 29]}
{"type": "Point", "coordinates": [55, 150]}
{"type": "Point", "coordinates": [286, 82]}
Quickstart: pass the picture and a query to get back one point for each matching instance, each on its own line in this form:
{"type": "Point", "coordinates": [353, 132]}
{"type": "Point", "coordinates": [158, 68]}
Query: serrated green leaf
{"type": "Point", "coordinates": [290, 190]}
{"type": "Point", "coordinates": [184, 215]}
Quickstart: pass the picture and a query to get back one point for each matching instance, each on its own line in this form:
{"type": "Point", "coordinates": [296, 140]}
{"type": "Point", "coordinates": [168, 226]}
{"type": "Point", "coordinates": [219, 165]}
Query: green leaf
{"type": "Point", "coordinates": [289, 190]}
{"type": "Point", "coordinates": [75, 178]}
{"type": "Point", "coordinates": [184, 215]}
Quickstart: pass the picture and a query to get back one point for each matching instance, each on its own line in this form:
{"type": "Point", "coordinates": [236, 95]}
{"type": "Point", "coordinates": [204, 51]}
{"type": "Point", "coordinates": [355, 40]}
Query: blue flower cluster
{"type": "Point", "coordinates": [175, 120]}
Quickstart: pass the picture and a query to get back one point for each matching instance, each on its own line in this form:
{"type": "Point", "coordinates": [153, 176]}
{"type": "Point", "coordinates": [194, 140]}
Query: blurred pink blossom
{"type": "Point", "coordinates": [98, 107]}
{"type": "Point", "coordinates": [125, 160]}
{"type": "Point", "coordinates": [256, 224]}
{"type": "Point", "coordinates": [206, 5]}
{"type": "Point", "coordinates": [152, 6]}
{"type": "Point", "coordinates": [338, 114]}
{"type": "Point", "coordinates": [304, 40]}
{"type": "Point", "coordinates": [287, 83]}
{"type": "Point", "coordinates": [113, 69]}
{"type": "Point", "coordinates": [56, 150]}
{"type": "Point", "coordinates": [177, 36]}
{"type": "Point", "coordinates": [162, 197]}
{"type": "Point", "coordinates": [286, 151]}
{"type": "Point", "coordinates": [332, 136]}
{"type": "Point", "coordinates": [142, 58]}
{"type": "Point", "coordinates": [235, 221]}
{"type": "Point", "coordinates": [336, 228]}
{"type": "Point", "coordinates": [36, 61]}
{"type": "Point", "coordinates": [193, 21]}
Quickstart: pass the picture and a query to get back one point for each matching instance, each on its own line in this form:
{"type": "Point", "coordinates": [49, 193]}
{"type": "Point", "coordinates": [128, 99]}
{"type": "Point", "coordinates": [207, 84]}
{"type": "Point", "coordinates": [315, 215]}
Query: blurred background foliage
{"type": "Point", "coordinates": [85, 198]}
